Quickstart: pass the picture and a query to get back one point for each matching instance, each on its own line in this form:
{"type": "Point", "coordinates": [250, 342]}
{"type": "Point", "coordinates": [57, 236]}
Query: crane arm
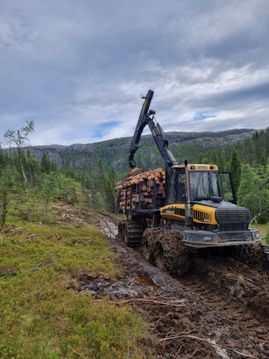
{"type": "Point", "coordinates": [146, 117]}
{"type": "Point", "coordinates": [142, 122]}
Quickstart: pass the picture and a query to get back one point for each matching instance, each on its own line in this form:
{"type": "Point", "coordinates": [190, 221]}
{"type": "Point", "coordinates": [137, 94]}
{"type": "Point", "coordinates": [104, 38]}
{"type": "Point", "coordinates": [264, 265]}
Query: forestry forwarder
{"type": "Point", "coordinates": [193, 205]}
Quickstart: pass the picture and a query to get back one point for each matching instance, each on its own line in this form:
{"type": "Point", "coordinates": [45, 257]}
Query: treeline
{"type": "Point", "coordinates": [92, 188]}
{"type": "Point", "coordinates": [248, 162]}
{"type": "Point", "coordinates": [35, 183]}
{"type": "Point", "coordinates": [98, 183]}
{"type": "Point", "coordinates": [254, 151]}
{"type": "Point", "coordinates": [28, 186]}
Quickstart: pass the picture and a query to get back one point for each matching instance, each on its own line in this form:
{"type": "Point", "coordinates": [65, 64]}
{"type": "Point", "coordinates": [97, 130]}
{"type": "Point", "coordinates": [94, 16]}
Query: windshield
{"type": "Point", "coordinates": [204, 185]}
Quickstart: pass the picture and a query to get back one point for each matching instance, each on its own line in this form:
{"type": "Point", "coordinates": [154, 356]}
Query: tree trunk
{"type": "Point", "coordinates": [25, 179]}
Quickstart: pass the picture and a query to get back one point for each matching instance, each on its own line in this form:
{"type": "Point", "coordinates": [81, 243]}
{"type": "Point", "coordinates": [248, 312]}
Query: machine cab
{"type": "Point", "coordinates": [194, 183]}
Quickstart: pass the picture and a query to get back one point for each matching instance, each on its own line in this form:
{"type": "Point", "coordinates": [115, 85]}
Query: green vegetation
{"type": "Point", "coordinates": [36, 183]}
{"type": "Point", "coordinates": [41, 315]}
{"type": "Point", "coordinates": [100, 183]}
{"type": "Point", "coordinates": [254, 151]}
{"type": "Point", "coordinates": [248, 161]}
{"type": "Point", "coordinates": [253, 192]}
{"type": "Point", "coordinates": [263, 228]}
{"type": "Point", "coordinates": [19, 138]}
{"type": "Point", "coordinates": [43, 253]}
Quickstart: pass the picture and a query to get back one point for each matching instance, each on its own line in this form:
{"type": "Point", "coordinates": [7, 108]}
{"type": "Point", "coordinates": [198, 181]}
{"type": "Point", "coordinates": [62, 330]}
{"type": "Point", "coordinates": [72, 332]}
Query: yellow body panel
{"type": "Point", "coordinates": [172, 211]}
{"type": "Point", "coordinates": [200, 214]}
{"type": "Point", "coordinates": [204, 214]}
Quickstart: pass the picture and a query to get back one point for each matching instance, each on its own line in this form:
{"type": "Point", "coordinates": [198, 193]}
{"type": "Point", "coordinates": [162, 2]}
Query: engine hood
{"type": "Point", "coordinates": [222, 204]}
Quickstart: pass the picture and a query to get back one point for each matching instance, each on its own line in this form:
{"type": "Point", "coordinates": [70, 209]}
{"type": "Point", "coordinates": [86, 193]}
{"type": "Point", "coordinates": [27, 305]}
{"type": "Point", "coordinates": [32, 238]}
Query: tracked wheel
{"type": "Point", "coordinates": [164, 248]}
{"type": "Point", "coordinates": [131, 233]}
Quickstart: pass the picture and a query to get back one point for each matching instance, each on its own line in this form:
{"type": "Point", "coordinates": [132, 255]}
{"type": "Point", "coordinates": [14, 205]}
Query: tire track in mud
{"type": "Point", "coordinates": [187, 317]}
{"type": "Point", "coordinates": [245, 319]}
{"type": "Point", "coordinates": [239, 291]}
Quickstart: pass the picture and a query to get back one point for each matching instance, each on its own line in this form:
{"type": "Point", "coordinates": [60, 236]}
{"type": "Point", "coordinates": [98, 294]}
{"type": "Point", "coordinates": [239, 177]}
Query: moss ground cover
{"type": "Point", "coordinates": [41, 317]}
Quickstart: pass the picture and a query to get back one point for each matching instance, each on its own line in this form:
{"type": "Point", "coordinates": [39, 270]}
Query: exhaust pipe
{"type": "Point", "coordinates": [188, 218]}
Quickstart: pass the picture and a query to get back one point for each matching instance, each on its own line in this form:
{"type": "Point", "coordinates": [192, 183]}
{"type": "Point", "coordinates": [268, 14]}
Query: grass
{"type": "Point", "coordinates": [40, 317]}
{"type": "Point", "coordinates": [263, 228]}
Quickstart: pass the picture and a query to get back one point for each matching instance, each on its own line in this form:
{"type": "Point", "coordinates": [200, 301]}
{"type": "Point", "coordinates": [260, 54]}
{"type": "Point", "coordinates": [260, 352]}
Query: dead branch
{"type": "Point", "coordinates": [150, 301]}
{"type": "Point", "coordinates": [183, 335]}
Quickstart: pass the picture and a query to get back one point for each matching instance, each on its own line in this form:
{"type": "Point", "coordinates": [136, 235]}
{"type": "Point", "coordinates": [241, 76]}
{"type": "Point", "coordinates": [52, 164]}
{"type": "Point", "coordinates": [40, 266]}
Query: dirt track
{"type": "Point", "coordinates": [221, 311]}
{"type": "Point", "coordinates": [218, 311]}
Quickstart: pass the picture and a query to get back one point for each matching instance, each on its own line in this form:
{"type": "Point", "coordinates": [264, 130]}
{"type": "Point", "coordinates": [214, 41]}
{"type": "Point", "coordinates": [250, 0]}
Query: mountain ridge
{"type": "Point", "coordinates": [114, 152]}
{"type": "Point", "coordinates": [169, 134]}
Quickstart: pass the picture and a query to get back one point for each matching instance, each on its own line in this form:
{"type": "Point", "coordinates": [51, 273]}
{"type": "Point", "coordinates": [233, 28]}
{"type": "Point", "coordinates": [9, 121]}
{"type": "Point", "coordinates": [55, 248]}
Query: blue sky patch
{"type": "Point", "coordinates": [198, 116]}
{"type": "Point", "coordinates": [101, 129]}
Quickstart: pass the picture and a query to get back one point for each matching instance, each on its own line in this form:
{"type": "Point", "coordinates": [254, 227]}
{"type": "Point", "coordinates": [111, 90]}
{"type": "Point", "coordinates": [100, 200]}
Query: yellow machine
{"type": "Point", "coordinates": [195, 202]}
{"type": "Point", "coordinates": [199, 210]}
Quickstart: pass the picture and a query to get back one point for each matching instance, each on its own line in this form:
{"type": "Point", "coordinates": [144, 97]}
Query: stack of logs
{"type": "Point", "coordinates": [141, 189]}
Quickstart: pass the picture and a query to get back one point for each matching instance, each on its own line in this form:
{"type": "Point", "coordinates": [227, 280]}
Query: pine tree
{"type": "Point", "coordinates": [221, 162]}
{"type": "Point", "coordinates": [235, 169]}
{"type": "Point", "coordinates": [45, 164]}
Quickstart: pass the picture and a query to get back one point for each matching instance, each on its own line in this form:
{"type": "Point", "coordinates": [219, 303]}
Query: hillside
{"type": "Point", "coordinates": [185, 145]}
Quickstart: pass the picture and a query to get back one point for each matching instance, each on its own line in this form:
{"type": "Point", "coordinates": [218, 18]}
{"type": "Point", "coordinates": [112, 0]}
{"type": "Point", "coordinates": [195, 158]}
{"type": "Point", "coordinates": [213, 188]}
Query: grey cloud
{"type": "Point", "coordinates": [259, 92]}
{"type": "Point", "coordinates": [87, 62]}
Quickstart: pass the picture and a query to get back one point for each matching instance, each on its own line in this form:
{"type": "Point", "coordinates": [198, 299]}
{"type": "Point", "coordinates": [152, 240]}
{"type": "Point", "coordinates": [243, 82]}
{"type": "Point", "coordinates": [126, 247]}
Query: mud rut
{"type": "Point", "coordinates": [220, 309]}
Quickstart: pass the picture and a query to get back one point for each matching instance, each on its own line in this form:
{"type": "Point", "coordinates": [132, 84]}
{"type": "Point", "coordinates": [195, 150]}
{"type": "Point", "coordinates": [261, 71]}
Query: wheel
{"type": "Point", "coordinates": [153, 250]}
{"type": "Point", "coordinates": [131, 233]}
{"type": "Point", "coordinates": [163, 248]}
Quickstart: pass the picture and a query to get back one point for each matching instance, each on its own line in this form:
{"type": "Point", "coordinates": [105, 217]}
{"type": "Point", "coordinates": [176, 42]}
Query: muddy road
{"type": "Point", "coordinates": [219, 310]}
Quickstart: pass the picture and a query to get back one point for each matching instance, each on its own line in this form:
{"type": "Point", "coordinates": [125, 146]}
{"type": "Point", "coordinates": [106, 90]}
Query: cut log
{"type": "Point", "coordinates": [141, 189]}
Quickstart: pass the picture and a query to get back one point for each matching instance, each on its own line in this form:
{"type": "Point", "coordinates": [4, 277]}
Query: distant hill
{"type": "Point", "coordinates": [185, 145]}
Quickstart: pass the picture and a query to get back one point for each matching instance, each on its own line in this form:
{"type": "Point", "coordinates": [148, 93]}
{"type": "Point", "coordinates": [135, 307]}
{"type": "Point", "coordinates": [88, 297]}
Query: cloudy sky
{"type": "Point", "coordinates": [78, 67]}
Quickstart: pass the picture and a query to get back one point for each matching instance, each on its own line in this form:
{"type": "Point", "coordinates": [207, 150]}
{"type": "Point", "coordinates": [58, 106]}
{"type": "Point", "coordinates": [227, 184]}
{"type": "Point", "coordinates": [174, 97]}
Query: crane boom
{"type": "Point", "coordinates": [146, 117]}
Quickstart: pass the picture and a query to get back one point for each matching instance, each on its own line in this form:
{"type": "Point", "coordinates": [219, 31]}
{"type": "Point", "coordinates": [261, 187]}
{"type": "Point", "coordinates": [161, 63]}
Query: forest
{"type": "Point", "coordinates": [248, 162]}
{"type": "Point", "coordinates": [35, 183]}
